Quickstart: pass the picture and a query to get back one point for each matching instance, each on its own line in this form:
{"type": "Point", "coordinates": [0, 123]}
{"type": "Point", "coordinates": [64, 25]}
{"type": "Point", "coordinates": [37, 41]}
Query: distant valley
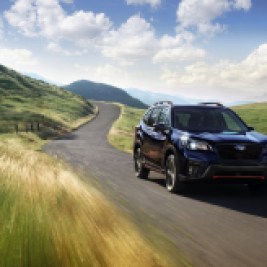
{"type": "Point", "coordinates": [150, 98]}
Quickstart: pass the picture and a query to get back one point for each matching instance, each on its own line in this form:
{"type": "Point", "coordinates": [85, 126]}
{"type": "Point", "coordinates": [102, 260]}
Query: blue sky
{"type": "Point", "coordinates": [209, 49]}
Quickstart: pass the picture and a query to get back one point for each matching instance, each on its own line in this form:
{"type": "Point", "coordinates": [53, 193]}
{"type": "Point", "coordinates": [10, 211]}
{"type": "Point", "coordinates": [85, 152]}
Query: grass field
{"type": "Point", "coordinates": [122, 132]}
{"type": "Point", "coordinates": [254, 115]}
{"type": "Point", "coordinates": [49, 217]}
{"type": "Point", "coordinates": [26, 100]}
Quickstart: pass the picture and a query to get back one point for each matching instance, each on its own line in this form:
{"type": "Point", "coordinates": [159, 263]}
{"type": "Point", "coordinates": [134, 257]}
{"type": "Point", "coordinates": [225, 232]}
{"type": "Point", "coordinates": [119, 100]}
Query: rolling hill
{"type": "Point", "coordinates": [103, 92]}
{"type": "Point", "coordinates": [24, 99]}
{"type": "Point", "coordinates": [254, 115]}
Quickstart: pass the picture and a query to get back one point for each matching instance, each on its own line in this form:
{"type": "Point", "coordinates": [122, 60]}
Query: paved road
{"type": "Point", "coordinates": [214, 226]}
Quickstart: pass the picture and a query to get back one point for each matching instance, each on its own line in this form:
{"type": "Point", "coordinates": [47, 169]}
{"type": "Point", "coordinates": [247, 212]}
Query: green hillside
{"type": "Point", "coordinates": [254, 115]}
{"type": "Point", "coordinates": [104, 92]}
{"type": "Point", "coordinates": [25, 100]}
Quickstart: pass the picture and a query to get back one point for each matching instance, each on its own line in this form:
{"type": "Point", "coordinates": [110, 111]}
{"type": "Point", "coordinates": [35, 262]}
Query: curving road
{"type": "Point", "coordinates": [212, 225]}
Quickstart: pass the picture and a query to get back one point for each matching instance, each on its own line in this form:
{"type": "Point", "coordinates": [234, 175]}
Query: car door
{"type": "Point", "coordinates": [148, 134]}
{"type": "Point", "coordinates": [158, 138]}
{"type": "Point", "coordinates": [145, 132]}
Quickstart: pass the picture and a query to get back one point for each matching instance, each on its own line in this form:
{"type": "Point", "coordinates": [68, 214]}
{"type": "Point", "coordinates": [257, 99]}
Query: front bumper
{"type": "Point", "coordinates": [223, 172]}
{"type": "Point", "coordinates": [216, 172]}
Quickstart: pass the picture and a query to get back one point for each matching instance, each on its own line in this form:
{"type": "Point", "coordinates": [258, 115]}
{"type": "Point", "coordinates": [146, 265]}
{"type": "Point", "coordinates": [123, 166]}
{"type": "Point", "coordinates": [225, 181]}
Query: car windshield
{"type": "Point", "coordinates": [194, 119]}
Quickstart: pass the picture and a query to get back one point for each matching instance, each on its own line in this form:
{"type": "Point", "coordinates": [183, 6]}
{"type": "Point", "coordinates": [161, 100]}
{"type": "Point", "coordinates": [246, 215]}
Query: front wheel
{"type": "Point", "coordinates": [140, 170]}
{"type": "Point", "coordinates": [173, 183]}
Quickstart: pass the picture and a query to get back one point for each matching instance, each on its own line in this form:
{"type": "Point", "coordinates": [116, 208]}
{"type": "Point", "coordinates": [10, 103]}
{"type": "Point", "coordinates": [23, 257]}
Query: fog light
{"type": "Point", "coordinates": [190, 170]}
{"type": "Point", "coordinates": [193, 170]}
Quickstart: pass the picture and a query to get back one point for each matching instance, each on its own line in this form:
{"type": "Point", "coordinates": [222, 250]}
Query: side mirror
{"type": "Point", "coordinates": [150, 121]}
{"type": "Point", "coordinates": [251, 128]}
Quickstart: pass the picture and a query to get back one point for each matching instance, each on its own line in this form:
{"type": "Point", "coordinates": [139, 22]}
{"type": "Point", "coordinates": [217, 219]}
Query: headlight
{"type": "Point", "coordinates": [199, 145]}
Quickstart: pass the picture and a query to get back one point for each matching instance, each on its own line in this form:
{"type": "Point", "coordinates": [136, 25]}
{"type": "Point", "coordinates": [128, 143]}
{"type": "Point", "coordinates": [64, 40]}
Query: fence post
{"type": "Point", "coordinates": [16, 128]}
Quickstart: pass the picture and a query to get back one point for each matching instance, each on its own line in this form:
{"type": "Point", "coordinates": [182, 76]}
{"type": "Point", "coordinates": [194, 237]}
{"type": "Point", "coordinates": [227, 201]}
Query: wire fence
{"type": "Point", "coordinates": [22, 122]}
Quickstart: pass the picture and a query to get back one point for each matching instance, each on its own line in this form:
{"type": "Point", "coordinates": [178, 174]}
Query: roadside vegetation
{"type": "Point", "coordinates": [122, 132]}
{"type": "Point", "coordinates": [25, 101]}
{"type": "Point", "coordinates": [254, 115]}
{"type": "Point", "coordinates": [50, 217]}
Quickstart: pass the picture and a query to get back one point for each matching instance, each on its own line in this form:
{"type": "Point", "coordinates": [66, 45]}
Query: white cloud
{"type": "Point", "coordinates": [83, 26]}
{"type": "Point", "coordinates": [230, 78]}
{"type": "Point", "coordinates": [169, 76]}
{"type": "Point", "coordinates": [135, 39]}
{"type": "Point", "coordinates": [55, 47]}
{"type": "Point", "coordinates": [67, 1]}
{"type": "Point", "coordinates": [201, 14]}
{"type": "Point", "coordinates": [109, 74]}
{"type": "Point", "coordinates": [19, 59]}
{"type": "Point", "coordinates": [152, 3]}
{"type": "Point", "coordinates": [23, 16]}
{"type": "Point", "coordinates": [243, 4]}
{"type": "Point", "coordinates": [167, 41]}
{"type": "Point", "coordinates": [183, 53]}
{"type": "Point", "coordinates": [106, 73]}
{"type": "Point", "coordinates": [48, 19]}
{"type": "Point", "coordinates": [209, 29]}
{"type": "Point", "coordinates": [177, 49]}
{"type": "Point", "coordinates": [193, 12]}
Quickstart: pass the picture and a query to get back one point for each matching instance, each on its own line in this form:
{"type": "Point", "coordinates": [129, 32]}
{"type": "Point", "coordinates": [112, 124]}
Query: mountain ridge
{"type": "Point", "coordinates": [104, 92]}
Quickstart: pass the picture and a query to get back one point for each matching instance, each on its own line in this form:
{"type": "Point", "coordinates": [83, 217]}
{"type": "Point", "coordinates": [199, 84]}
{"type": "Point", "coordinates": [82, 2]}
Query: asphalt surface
{"type": "Point", "coordinates": [211, 225]}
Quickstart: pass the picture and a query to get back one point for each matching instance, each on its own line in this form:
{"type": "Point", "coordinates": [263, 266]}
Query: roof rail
{"type": "Point", "coordinates": [211, 104]}
{"type": "Point", "coordinates": [163, 102]}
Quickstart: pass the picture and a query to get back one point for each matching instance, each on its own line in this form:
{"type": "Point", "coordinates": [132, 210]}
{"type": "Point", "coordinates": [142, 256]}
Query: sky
{"type": "Point", "coordinates": [202, 49]}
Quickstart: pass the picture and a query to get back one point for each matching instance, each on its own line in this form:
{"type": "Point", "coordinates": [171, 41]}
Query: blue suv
{"type": "Point", "coordinates": [204, 142]}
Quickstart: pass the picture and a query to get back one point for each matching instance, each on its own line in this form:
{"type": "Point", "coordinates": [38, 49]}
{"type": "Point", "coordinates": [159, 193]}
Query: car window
{"type": "Point", "coordinates": [207, 120]}
{"type": "Point", "coordinates": [147, 115]}
{"type": "Point", "coordinates": [164, 117]}
{"type": "Point", "coordinates": [152, 120]}
{"type": "Point", "coordinates": [181, 120]}
{"type": "Point", "coordinates": [231, 123]}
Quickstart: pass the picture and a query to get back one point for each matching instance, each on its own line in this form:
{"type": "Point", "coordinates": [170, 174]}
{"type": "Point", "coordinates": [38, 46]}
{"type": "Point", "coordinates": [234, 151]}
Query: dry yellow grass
{"type": "Point", "coordinates": [50, 217]}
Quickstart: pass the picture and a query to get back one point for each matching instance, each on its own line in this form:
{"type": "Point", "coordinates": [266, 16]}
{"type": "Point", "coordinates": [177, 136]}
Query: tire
{"type": "Point", "coordinates": [140, 171]}
{"type": "Point", "coordinates": [173, 183]}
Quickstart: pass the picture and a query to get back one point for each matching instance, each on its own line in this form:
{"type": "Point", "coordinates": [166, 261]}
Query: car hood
{"type": "Point", "coordinates": [246, 137]}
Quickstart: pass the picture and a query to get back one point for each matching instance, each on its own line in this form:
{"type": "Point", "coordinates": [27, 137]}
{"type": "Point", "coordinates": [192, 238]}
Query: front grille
{"type": "Point", "coordinates": [230, 152]}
